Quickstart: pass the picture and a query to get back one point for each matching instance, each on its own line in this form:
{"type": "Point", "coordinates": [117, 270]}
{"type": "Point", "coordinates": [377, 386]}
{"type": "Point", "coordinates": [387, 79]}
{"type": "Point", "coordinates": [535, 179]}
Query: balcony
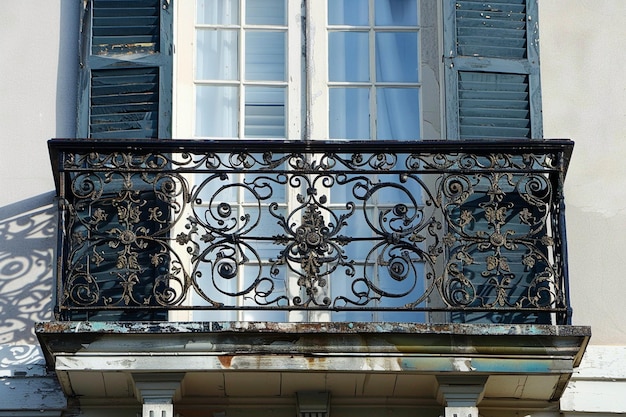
{"type": "Point", "coordinates": [412, 259]}
{"type": "Point", "coordinates": [289, 231]}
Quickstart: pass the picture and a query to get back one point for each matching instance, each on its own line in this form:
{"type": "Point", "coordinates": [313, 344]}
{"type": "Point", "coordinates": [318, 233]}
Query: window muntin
{"type": "Point", "coordinates": [240, 78]}
{"type": "Point", "coordinates": [373, 69]}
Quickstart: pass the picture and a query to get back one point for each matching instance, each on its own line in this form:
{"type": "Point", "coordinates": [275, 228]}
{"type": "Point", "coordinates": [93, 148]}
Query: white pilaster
{"type": "Point", "coordinates": [156, 392]}
{"type": "Point", "coordinates": [461, 394]}
{"type": "Point", "coordinates": [461, 412]}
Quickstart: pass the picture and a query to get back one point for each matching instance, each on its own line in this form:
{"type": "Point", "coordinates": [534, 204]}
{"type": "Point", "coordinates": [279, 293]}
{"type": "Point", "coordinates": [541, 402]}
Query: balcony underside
{"type": "Point", "coordinates": [232, 362]}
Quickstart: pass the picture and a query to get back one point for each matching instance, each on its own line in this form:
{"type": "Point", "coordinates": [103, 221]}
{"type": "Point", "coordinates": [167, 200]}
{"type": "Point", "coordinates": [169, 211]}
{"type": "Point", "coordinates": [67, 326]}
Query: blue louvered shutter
{"type": "Point", "coordinates": [492, 69]}
{"type": "Point", "coordinates": [125, 92]}
{"type": "Point", "coordinates": [126, 69]}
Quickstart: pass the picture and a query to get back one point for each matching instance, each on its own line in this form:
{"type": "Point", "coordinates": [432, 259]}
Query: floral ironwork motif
{"type": "Point", "coordinates": [348, 227]}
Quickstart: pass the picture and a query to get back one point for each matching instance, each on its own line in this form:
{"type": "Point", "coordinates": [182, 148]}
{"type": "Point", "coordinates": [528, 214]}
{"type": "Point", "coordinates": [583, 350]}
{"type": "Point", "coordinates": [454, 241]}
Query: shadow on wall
{"type": "Point", "coordinates": [27, 242]}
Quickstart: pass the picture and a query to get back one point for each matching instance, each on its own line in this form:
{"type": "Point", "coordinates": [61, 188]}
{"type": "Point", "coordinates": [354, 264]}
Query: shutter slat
{"type": "Point", "coordinates": [138, 22]}
{"type": "Point", "coordinates": [129, 76]}
{"type": "Point", "coordinates": [123, 89]}
{"type": "Point", "coordinates": [124, 12]}
{"type": "Point", "coordinates": [125, 27]}
{"type": "Point", "coordinates": [491, 121]}
{"type": "Point", "coordinates": [505, 6]}
{"type": "Point", "coordinates": [103, 33]}
{"type": "Point", "coordinates": [124, 134]}
{"type": "Point", "coordinates": [147, 99]}
{"type": "Point", "coordinates": [503, 32]}
{"type": "Point", "coordinates": [125, 117]}
{"type": "Point", "coordinates": [492, 132]}
{"type": "Point", "coordinates": [493, 105]}
{"type": "Point", "coordinates": [486, 16]}
{"type": "Point", "coordinates": [116, 129]}
{"type": "Point", "coordinates": [120, 98]}
{"type": "Point", "coordinates": [495, 112]}
{"type": "Point", "coordinates": [496, 30]}
{"type": "Point", "coordinates": [494, 95]}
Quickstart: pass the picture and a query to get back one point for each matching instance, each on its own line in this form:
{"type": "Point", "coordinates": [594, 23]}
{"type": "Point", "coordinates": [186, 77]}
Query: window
{"type": "Point", "coordinates": [316, 69]}
{"type": "Point", "coordinates": [373, 69]}
{"type": "Point", "coordinates": [339, 69]}
{"type": "Point", "coordinates": [285, 68]}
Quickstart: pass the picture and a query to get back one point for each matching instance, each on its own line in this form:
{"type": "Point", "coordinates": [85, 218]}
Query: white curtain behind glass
{"type": "Point", "coordinates": [217, 59]}
{"type": "Point", "coordinates": [395, 56]}
{"type": "Point", "coordinates": [397, 62]}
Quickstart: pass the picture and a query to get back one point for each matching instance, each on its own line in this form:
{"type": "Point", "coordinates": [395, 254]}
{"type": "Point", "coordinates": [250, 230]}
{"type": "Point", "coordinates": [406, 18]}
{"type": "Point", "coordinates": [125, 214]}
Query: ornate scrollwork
{"type": "Point", "coordinates": [467, 233]}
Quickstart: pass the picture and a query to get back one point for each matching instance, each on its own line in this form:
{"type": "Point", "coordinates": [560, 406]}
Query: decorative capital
{"type": "Point", "coordinates": [151, 388]}
{"type": "Point", "coordinates": [461, 391]}
{"type": "Point", "coordinates": [313, 403]}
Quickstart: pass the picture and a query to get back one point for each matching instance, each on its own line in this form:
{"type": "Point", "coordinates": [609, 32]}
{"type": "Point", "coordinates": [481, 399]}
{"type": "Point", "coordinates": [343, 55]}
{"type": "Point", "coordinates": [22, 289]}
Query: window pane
{"type": "Point", "coordinates": [265, 112]}
{"type": "Point", "coordinates": [348, 12]}
{"type": "Point", "coordinates": [396, 57]}
{"type": "Point", "coordinates": [396, 12]}
{"type": "Point", "coordinates": [213, 47]}
{"type": "Point", "coordinates": [348, 56]}
{"type": "Point", "coordinates": [349, 113]}
{"type": "Point", "coordinates": [265, 56]}
{"type": "Point", "coordinates": [216, 111]}
{"type": "Point", "coordinates": [265, 12]}
{"type": "Point", "coordinates": [398, 113]}
{"type": "Point", "coordinates": [218, 12]}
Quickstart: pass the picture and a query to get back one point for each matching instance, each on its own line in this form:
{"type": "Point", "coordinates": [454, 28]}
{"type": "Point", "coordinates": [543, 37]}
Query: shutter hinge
{"type": "Point", "coordinates": [448, 60]}
{"type": "Point", "coordinates": [166, 4]}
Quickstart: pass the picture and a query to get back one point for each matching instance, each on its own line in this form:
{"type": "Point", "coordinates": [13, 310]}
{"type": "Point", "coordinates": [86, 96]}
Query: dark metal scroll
{"type": "Point", "coordinates": [465, 235]}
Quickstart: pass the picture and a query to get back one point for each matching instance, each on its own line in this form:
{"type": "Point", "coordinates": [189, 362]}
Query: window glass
{"type": "Point", "coordinates": [348, 12]}
{"type": "Point", "coordinates": [396, 57]}
{"type": "Point", "coordinates": [240, 68]}
{"type": "Point", "coordinates": [265, 55]}
{"type": "Point", "coordinates": [348, 56]}
{"type": "Point", "coordinates": [217, 111]}
{"type": "Point", "coordinates": [217, 46]}
{"type": "Point", "coordinates": [265, 112]}
{"type": "Point", "coordinates": [217, 12]}
{"type": "Point", "coordinates": [349, 113]}
{"type": "Point", "coordinates": [396, 12]}
{"type": "Point", "coordinates": [265, 12]}
{"type": "Point", "coordinates": [398, 113]}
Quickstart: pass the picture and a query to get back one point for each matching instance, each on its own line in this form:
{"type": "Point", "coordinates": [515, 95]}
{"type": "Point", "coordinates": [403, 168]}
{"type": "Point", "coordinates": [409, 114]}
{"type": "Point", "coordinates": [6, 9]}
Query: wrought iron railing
{"type": "Point", "coordinates": [436, 231]}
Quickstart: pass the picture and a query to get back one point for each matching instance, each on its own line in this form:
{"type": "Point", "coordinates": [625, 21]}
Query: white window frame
{"type": "Point", "coordinates": [184, 102]}
{"type": "Point", "coordinates": [307, 101]}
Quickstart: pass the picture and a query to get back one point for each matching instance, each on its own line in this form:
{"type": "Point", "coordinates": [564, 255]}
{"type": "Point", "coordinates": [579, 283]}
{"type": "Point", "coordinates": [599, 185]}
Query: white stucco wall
{"type": "Point", "coordinates": [38, 41]}
{"type": "Point", "coordinates": [38, 64]}
{"type": "Point", "coordinates": [584, 99]}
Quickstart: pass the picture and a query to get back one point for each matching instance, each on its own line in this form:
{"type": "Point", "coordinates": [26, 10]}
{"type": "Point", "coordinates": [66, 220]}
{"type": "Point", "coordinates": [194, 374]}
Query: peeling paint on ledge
{"type": "Point", "coordinates": [304, 328]}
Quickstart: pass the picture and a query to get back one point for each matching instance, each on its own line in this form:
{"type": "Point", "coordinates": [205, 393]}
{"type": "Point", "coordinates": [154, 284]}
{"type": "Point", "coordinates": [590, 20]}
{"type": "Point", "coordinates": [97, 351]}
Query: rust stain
{"type": "Point", "coordinates": [226, 360]}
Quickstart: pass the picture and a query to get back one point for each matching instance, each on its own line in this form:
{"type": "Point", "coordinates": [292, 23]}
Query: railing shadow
{"type": "Point", "coordinates": [27, 241]}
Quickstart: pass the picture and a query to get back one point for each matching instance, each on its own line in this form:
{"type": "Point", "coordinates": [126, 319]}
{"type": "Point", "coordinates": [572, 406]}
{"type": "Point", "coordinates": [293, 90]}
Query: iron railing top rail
{"type": "Point", "coordinates": [563, 147]}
